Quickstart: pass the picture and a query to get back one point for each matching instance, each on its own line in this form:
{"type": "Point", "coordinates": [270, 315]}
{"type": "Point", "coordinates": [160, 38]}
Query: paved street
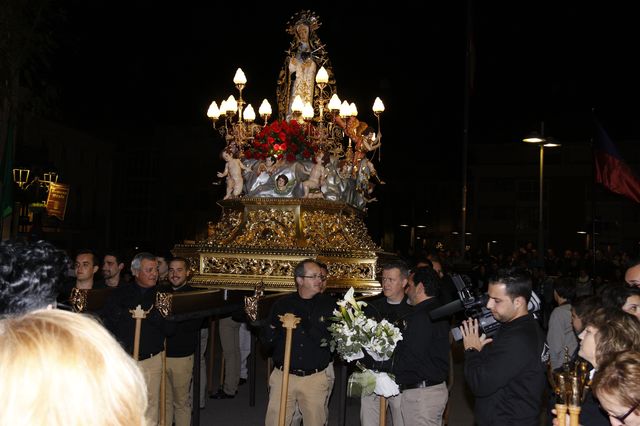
{"type": "Point", "coordinates": [237, 411]}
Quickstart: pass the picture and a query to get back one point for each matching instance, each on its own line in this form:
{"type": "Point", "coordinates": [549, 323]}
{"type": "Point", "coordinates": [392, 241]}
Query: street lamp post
{"type": "Point", "coordinates": [543, 142]}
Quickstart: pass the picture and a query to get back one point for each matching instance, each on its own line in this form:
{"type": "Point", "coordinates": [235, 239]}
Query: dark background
{"type": "Point", "coordinates": [147, 63]}
{"type": "Point", "coordinates": [140, 76]}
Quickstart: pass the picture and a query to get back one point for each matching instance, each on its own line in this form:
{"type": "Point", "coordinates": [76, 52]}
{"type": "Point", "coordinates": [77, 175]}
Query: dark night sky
{"type": "Point", "coordinates": [140, 64]}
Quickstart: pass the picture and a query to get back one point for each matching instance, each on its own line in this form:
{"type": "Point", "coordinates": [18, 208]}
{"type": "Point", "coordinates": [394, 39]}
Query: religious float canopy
{"type": "Point", "coordinates": [296, 187]}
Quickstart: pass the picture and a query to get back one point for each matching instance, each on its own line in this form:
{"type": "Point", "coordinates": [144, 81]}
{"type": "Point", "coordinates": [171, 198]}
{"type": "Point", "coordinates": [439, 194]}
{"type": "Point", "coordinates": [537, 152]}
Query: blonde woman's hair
{"type": "Point", "coordinates": [617, 331]}
{"type": "Point", "coordinates": [61, 368]}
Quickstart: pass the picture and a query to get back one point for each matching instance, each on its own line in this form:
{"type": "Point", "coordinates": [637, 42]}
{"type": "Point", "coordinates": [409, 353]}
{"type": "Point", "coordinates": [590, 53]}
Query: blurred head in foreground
{"type": "Point", "coordinates": [62, 368]}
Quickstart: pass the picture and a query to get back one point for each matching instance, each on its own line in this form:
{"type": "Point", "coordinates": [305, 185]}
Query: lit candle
{"type": "Point", "coordinates": [297, 105]}
{"type": "Point", "coordinates": [239, 78]}
{"type": "Point", "coordinates": [231, 104]}
{"type": "Point", "coordinates": [334, 103]}
{"type": "Point", "coordinates": [345, 109]}
{"type": "Point", "coordinates": [249, 114]}
{"type": "Point", "coordinates": [322, 77]}
{"type": "Point", "coordinates": [307, 111]}
{"type": "Point", "coordinates": [213, 111]}
{"type": "Point", "coordinates": [378, 106]}
{"type": "Point", "coordinates": [265, 108]}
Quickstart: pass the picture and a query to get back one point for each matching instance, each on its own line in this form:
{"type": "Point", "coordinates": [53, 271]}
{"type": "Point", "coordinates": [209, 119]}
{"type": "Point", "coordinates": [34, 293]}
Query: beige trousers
{"type": "Point", "coordinates": [370, 410]}
{"type": "Point", "coordinates": [230, 342]}
{"type": "Point", "coordinates": [178, 403]}
{"type": "Point", "coordinates": [424, 406]}
{"type": "Point", "coordinates": [309, 392]}
{"type": "Point", "coordinates": [331, 375]}
{"type": "Point", "coordinates": [152, 372]}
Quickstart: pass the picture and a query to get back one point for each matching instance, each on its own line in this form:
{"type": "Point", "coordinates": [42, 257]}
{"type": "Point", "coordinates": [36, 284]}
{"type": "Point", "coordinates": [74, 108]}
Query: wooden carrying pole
{"type": "Point", "coordinates": [221, 372]}
{"type": "Point", "coordinates": [211, 344]}
{"type": "Point", "coordinates": [383, 411]}
{"type": "Point", "coordinates": [163, 388]}
{"type": "Point", "coordinates": [138, 314]}
{"type": "Point", "coordinates": [289, 322]}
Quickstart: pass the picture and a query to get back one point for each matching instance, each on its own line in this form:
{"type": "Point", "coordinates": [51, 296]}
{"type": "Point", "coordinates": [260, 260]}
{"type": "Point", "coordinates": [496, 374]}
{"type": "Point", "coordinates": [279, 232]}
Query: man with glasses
{"type": "Point", "coordinates": [308, 376]}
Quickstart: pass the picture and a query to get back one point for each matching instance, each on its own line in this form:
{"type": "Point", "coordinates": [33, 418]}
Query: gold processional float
{"type": "Point", "coordinates": [296, 187]}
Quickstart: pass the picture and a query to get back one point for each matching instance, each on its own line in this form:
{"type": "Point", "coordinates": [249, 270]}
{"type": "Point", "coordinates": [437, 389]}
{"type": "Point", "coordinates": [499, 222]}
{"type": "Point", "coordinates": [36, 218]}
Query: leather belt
{"type": "Point", "coordinates": [302, 373]}
{"type": "Point", "coordinates": [147, 356]}
{"type": "Point", "coordinates": [419, 385]}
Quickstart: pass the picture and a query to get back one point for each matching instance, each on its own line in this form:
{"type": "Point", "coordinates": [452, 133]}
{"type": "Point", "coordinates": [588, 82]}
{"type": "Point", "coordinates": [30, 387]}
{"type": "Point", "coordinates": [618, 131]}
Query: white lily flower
{"type": "Point", "coordinates": [385, 386]}
{"type": "Point", "coordinates": [354, 356]}
{"type": "Point", "coordinates": [349, 298]}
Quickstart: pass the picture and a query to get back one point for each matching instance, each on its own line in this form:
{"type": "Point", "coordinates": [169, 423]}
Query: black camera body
{"type": "Point", "coordinates": [475, 306]}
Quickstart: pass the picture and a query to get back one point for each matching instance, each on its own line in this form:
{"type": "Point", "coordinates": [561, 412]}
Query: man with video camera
{"type": "Point", "coordinates": [506, 373]}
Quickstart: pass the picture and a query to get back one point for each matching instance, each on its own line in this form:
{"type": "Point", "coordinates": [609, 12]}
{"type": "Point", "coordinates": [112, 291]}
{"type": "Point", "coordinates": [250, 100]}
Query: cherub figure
{"type": "Point", "coordinates": [233, 171]}
{"type": "Point", "coordinates": [269, 166]}
{"type": "Point", "coordinates": [364, 139]}
{"type": "Point", "coordinates": [316, 177]}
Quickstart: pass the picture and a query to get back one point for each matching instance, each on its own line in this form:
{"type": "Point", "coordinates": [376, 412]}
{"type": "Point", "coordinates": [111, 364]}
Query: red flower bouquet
{"type": "Point", "coordinates": [281, 139]}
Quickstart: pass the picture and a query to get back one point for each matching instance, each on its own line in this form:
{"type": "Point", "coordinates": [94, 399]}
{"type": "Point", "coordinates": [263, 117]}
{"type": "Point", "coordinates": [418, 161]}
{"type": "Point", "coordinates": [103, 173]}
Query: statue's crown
{"type": "Point", "coordinates": [307, 17]}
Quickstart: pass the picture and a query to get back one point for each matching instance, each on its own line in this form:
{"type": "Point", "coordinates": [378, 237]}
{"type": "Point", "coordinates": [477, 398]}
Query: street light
{"type": "Point", "coordinates": [543, 142]}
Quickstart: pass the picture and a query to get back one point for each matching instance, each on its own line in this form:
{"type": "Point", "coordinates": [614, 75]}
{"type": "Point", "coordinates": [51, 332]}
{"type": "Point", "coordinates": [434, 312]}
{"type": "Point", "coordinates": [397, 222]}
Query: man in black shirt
{"type": "Point", "coordinates": [507, 374]}
{"type": "Point", "coordinates": [393, 307]}
{"type": "Point", "coordinates": [421, 362]}
{"type": "Point", "coordinates": [112, 266]}
{"type": "Point", "coordinates": [117, 318]}
{"type": "Point", "coordinates": [310, 356]}
{"type": "Point", "coordinates": [180, 351]}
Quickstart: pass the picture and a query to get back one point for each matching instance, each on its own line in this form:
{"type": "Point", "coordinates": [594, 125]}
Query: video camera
{"type": "Point", "coordinates": [475, 306]}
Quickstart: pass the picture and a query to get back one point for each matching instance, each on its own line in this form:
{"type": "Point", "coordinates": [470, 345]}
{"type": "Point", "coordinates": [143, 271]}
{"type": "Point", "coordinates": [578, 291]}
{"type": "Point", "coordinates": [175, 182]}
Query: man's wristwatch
{"type": "Point", "coordinates": [471, 349]}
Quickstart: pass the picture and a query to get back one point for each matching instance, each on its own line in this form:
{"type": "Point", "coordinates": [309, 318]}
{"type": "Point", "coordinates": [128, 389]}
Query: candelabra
{"type": "Point", "coordinates": [328, 129]}
{"type": "Point", "coordinates": [336, 121]}
{"type": "Point", "coordinates": [238, 133]}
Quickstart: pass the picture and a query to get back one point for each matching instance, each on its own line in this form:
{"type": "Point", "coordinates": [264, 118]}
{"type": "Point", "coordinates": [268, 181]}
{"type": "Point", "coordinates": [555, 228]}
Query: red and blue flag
{"type": "Point", "coordinates": [611, 170]}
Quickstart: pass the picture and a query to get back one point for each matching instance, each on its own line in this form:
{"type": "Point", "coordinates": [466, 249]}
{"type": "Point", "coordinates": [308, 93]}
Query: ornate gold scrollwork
{"type": "Point", "coordinates": [164, 303]}
{"type": "Point", "coordinates": [222, 230]}
{"type": "Point", "coordinates": [248, 266]}
{"type": "Point", "coordinates": [251, 302]}
{"type": "Point", "coordinates": [78, 299]}
{"type": "Point", "coordinates": [274, 227]}
{"type": "Point", "coordinates": [263, 239]}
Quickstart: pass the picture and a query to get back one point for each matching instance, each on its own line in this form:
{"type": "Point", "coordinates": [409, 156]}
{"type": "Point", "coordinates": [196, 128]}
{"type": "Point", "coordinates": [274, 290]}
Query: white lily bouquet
{"type": "Point", "coordinates": [352, 332]}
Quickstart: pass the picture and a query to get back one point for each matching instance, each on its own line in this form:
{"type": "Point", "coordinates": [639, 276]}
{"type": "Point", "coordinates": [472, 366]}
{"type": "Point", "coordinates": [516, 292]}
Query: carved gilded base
{"type": "Point", "coordinates": [260, 240]}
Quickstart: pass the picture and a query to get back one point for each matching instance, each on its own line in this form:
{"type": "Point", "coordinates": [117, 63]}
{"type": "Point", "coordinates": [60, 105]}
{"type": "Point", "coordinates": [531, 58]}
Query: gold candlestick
{"type": "Point", "coordinates": [574, 415]}
{"type": "Point", "coordinates": [561, 414]}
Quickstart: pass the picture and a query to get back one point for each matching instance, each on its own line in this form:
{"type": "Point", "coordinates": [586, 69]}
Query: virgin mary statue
{"type": "Point", "coordinates": [305, 56]}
